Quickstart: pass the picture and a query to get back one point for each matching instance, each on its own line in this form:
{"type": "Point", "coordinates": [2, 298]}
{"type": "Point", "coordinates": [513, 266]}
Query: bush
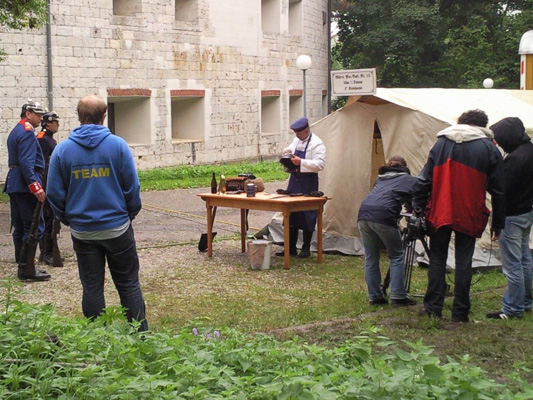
{"type": "Point", "coordinates": [45, 356]}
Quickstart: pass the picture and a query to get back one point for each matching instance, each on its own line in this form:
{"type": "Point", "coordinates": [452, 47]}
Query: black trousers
{"type": "Point", "coordinates": [22, 207]}
{"type": "Point", "coordinates": [438, 254]}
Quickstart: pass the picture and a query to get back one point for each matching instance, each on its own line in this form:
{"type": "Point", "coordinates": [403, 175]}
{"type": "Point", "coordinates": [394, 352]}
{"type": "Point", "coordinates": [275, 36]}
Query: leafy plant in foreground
{"type": "Point", "coordinates": [45, 356]}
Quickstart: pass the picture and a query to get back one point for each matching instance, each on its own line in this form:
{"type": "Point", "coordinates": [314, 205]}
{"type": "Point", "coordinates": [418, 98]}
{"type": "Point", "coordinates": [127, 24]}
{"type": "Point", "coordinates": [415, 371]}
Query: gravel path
{"type": "Point", "coordinates": [167, 231]}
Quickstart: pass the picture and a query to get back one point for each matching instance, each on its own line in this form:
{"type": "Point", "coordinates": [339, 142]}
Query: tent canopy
{"type": "Point", "coordinates": [447, 104]}
{"type": "Point", "coordinates": [371, 129]}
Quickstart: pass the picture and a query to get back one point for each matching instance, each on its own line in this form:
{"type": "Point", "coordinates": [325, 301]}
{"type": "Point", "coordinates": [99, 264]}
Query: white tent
{"type": "Point", "coordinates": [370, 129]}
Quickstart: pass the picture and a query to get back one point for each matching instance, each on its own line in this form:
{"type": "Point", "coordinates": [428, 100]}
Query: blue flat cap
{"type": "Point", "coordinates": [300, 124]}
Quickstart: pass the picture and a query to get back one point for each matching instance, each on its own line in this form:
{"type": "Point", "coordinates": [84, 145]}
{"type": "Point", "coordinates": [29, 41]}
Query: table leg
{"type": "Point", "coordinates": [243, 230]}
{"type": "Point", "coordinates": [210, 218]}
{"type": "Point", "coordinates": [286, 245]}
{"type": "Point", "coordinates": [319, 235]}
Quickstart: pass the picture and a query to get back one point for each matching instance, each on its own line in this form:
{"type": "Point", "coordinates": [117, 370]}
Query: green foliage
{"type": "Point", "coordinates": [339, 102]}
{"type": "Point", "coordinates": [189, 176]}
{"type": "Point", "coordinates": [426, 43]}
{"type": "Point", "coordinates": [22, 14]}
{"type": "Point", "coordinates": [45, 356]}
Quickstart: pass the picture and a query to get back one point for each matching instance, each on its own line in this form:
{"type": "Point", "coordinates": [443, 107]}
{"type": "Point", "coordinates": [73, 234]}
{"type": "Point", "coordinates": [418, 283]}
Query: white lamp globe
{"type": "Point", "coordinates": [303, 62]}
{"type": "Point", "coordinates": [488, 83]}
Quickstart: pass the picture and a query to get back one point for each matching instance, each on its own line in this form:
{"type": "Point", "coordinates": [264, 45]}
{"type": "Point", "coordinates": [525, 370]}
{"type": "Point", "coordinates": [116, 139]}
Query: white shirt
{"type": "Point", "coordinates": [315, 157]}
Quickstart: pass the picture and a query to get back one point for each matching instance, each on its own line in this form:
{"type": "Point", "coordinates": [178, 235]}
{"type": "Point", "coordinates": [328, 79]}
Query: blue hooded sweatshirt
{"type": "Point", "coordinates": [92, 180]}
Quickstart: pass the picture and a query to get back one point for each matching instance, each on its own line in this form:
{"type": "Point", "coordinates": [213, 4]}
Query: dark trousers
{"type": "Point", "coordinates": [22, 206]}
{"type": "Point", "coordinates": [436, 291]}
{"type": "Point", "coordinates": [45, 244]}
{"type": "Point", "coordinates": [293, 239]}
{"type": "Point", "coordinates": [123, 262]}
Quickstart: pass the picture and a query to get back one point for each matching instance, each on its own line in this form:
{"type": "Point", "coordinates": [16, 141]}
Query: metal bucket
{"type": "Point", "coordinates": [260, 253]}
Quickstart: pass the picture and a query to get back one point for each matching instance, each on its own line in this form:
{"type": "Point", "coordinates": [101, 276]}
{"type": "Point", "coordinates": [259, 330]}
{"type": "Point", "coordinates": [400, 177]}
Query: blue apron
{"type": "Point", "coordinates": [303, 183]}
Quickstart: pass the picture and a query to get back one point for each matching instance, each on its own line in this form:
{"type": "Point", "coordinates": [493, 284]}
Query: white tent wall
{"type": "Point", "coordinates": [408, 120]}
{"type": "Point", "coordinates": [348, 137]}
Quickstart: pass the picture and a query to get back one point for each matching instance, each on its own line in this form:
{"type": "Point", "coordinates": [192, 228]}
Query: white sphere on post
{"type": "Point", "coordinates": [488, 83]}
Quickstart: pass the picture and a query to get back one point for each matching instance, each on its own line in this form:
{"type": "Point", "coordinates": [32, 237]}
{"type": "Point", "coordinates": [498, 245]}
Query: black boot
{"type": "Point", "coordinates": [306, 247]}
{"type": "Point", "coordinates": [47, 250]}
{"type": "Point", "coordinates": [41, 249]}
{"type": "Point", "coordinates": [293, 238]}
{"type": "Point", "coordinates": [35, 275]}
{"type": "Point", "coordinates": [18, 248]}
{"type": "Point", "coordinates": [40, 275]}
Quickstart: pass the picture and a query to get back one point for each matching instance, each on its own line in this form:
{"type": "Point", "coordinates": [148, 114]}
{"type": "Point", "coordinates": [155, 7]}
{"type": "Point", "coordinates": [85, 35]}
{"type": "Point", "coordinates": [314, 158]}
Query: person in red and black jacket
{"type": "Point", "coordinates": [451, 189]}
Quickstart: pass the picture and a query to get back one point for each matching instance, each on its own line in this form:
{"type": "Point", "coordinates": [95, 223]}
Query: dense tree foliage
{"type": "Point", "coordinates": [21, 14]}
{"type": "Point", "coordinates": [433, 43]}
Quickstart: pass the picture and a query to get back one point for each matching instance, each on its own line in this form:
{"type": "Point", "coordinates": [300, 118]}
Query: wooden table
{"type": "Point", "coordinates": [265, 202]}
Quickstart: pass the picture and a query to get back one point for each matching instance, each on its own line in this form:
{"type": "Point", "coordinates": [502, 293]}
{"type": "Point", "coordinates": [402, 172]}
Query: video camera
{"type": "Point", "coordinates": [416, 226]}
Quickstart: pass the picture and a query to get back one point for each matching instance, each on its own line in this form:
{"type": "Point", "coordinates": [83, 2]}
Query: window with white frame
{"type": "Point", "coordinates": [296, 105]}
{"type": "Point", "coordinates": [188, 115]}
{"type": "Point", "coordinates": [186, 11]}
{"type": "Point", "coordinates": [270, 111]}
{"type": "Point", "coordinates": [270, 16]}
{"type": "Point", "coordinates": [129, 8]}
{"type": "Point", "coordinates": [129, 115]}
{"type": "Point", "coordinates": [295, 17]}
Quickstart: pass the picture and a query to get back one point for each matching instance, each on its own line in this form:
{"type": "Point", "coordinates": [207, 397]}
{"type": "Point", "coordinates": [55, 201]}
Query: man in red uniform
{"type": "Point", "coordinates": [451, 189]}
{"type": "Point", "coordinates": [23, 183]}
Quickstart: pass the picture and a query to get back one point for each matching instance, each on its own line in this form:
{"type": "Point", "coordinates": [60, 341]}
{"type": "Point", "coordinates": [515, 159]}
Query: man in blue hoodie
{"type": "Point", "coordinates": [93, 187]}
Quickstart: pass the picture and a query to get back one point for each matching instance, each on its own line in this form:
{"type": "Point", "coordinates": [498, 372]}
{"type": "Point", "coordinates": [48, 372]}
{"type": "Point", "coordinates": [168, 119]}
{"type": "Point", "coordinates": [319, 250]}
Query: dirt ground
{"type": "Point", "coordinates": [167, 217]}
{"type": "Point", "coordinates": [167, 231]}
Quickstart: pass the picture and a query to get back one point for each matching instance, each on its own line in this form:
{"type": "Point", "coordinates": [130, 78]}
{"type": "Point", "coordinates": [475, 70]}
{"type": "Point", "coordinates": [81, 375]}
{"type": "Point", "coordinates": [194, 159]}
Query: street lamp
{"type": "Point", "coordinates": [488, 83]}
{"type": "Point", "coordinates": [303, 63]}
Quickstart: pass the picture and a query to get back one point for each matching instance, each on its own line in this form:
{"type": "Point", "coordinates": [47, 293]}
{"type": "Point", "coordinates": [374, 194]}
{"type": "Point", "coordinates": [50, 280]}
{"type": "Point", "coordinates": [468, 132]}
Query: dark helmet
{"type": "Point", "coordinates": [33, 107]}
{"type": "Point", "coordinates": [49, 117]}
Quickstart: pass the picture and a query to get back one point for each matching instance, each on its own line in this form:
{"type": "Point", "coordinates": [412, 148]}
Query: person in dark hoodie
{"type": "Point", "coordinates": [93, 187]}
{"type": "Point", "coordinates": [50, 126]}
{"type": "Point", "coordinates": [515, 255]}
{"type": "Point", "coordinates": [450, 190]}
{"type": "Point", "coordinates": [378, 223]}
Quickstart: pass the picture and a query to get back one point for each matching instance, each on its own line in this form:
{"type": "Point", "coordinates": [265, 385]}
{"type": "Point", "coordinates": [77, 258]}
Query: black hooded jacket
{"type": "Point", "coordinates": [511, 136]}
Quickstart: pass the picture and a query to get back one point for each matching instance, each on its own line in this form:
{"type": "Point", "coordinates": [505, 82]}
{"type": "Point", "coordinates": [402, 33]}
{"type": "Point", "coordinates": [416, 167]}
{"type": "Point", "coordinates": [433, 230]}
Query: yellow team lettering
{"type": "Point", "coordinates": [88, 173]}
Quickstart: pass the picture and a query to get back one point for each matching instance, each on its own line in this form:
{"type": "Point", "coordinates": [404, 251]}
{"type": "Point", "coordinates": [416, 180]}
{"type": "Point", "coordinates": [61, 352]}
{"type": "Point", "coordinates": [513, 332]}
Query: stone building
{"type": "Point", "coordinates": [186, 81]}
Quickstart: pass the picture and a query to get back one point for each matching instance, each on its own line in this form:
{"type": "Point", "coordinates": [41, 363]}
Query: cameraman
{"type": "Point", "coordinates": [378, 222]}
{"type": "Point", "coordinates": [463, 164]}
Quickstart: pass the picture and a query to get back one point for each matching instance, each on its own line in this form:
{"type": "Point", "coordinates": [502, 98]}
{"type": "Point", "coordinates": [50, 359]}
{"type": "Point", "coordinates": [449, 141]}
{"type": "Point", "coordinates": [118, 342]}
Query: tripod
{"type": "Point", "coordinates": [414, 231]}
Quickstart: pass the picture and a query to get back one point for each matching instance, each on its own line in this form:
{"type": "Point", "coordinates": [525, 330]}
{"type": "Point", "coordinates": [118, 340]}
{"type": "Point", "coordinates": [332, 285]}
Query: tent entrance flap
{"type": "Point", "coordinates": [378, 155]}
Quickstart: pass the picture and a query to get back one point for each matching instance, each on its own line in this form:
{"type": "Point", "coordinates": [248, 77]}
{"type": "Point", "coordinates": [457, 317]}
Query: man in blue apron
{"type": "Point", "coordinates": [309, 157]}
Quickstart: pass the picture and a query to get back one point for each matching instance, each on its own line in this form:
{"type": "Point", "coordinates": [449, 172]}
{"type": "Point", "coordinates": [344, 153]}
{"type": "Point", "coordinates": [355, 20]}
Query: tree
{"type": "Point", "coordinates": [432, 43]}
{"type": "Point", "coordinates": [22, 14]}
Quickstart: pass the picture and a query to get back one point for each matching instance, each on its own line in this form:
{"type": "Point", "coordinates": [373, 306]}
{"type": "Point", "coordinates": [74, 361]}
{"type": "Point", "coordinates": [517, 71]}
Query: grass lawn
{"type": "Point", "coordinates": [327, 304]}
{"type": "Point", "coordinates": [321, 304]}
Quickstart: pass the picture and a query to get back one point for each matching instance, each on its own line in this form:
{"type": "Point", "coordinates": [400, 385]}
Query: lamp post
{"type": "Point", "coordinates": [488, 83]}
{"type": "Point", "coordinates": [303, 63]}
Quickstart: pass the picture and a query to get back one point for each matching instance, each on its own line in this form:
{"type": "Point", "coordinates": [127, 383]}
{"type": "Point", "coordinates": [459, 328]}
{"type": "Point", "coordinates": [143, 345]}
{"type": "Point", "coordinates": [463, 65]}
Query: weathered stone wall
{"type": "Point", "coordinates": [223, 52]}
